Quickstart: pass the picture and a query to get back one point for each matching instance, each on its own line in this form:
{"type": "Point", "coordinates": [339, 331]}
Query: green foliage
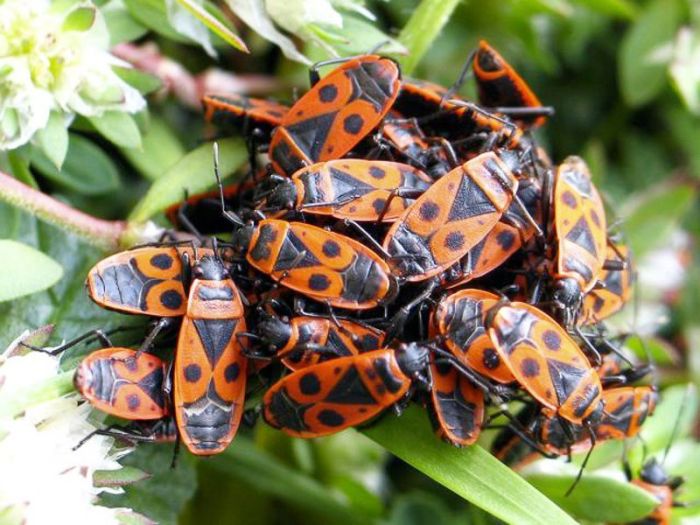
{"type": "Point", "coordinates": [87, 169]}
{"type": "Point", "coordinates": [25, 271]}
{"type": "Point", "coordinates": [596, 498]}
{"type": "Point", "coordinates": [471, 472]}
{"type": "Point", "coordinates": [642, 61]}
{"type": "Point", "coordinates": [193, 173]}
{"type": "Point", "coordinates": [163, 496]}
{"type": "Point", "coordinates": [622, 76]}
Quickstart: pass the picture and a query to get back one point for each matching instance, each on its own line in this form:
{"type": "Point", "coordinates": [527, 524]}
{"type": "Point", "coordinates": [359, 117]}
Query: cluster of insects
{"type": "Point", "coordinates": [398, 244]}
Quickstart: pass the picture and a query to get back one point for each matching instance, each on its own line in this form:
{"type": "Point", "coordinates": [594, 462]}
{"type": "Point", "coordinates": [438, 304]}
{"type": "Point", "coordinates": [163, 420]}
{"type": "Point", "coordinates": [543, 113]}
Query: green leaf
{"type": "Point", "coordinates": [163, 496]}
{"type": "Point", "coordinates": [119, 128]}
{"type": "Point", "coordinates": [132, 518]}
{"type": "Point", "coordinates": [38, 337]}
{"type": "Point", "coordinates": [597, 497]}
{"type": "Point", "coordinates": [419, 508]}
{"type": "Point", "coordinates": [685, 68]}
{"type": "Point", "coordinates": [659, 211]}
{"type": "Point", "coordinates": [470, 472]}
{"type": "Point", "coordinates": [422, 28]}
{"type": "Point", "coordinates": [685, 128]}
{"type": "Point", "coordinates": [646, 51]}
{"type": "Point", "coordinates": [255, 16]}
{"type": "Point", "coordinates": [215, 25]}
{"type": "Point", "coordinates": [25, 270]}
{"type": "Point", "coordinates": [53, 139]}
{"type": "Point", "coordinates": [242, 460]}
{"type": "Point", "coordinates": [160, 150]}
{"type": "Point", "coordinates": [144, 82]}
{"type": "Point", "coordinates": [87, 169]}
{"type": "Point", "coordinates": [121, 25]}
{"type": "Point", "coordinates": [118, 478]}
{"type": "Point", "coordinates": [152, 14]}
{"type": "Point", "coordinates": [360, 35]}
{"type": "Point", "coordinates": [194, 172]}
{"type": "Point", "coordinates": [66, 305]}
{"type": "Point", "coordinates": [660, 352]}
{"type": "Point", "coordinates": [80, 19]}
{"type": "Point", "coordinates": [616, 8]}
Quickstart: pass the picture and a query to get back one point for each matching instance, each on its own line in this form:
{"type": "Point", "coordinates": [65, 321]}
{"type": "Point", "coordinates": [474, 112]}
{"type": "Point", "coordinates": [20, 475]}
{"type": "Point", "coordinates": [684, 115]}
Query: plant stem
{"type": "Point", "coordinates": [98, 232]}
{"type": "Point", "coordinates": [422, 28]}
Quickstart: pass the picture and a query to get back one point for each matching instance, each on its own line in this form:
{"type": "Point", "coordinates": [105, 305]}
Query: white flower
{"type": "Point", "coordinates": [54, 57]}
{"type": "Point", "coordinates": [43, 480]}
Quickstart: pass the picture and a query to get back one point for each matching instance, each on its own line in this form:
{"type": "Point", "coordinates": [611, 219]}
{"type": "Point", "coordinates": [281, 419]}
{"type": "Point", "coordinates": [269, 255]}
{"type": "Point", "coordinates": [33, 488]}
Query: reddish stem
{"type": "Point", "coordinates": [186, 87]}
{"type": "Point", "coordinates": [98, 232]}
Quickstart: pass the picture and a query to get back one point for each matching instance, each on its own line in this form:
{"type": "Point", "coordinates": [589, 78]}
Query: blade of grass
{"type": "Point", "coordinates": [470, 472]}
{"type": "Point", "coordinates": [422, 28]}
{"type": "Point", "coordinates": [214, 24]}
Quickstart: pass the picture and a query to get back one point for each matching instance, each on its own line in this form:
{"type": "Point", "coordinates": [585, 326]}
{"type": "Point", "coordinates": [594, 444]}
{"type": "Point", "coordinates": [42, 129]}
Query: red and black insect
{"type": "Point", "coordinates": [458, 322]}
{"type": "Point", "coordinates": [501, 88]}
{"type": "Point", "coordinates": [335, 114]}
{"type": "Point", "coordinates": [123, 383]}
{"type": "Point", "coordinates": [347, 391]}
{"type": "Point", "coordinates": [546, 362]}
{"type": "Point", "coordinates": [455, 119]}
{"type": "Point", "coordinates": [626, 408]}
{"type": "Point", "coordinates": [457, 408]}
{"type": "Point", "coordinates": [601, 303]}
{"type": "Point", "coordinates": [433, 155]}
{"type": "Point", "coordinates": [509, 234]}
{"type": "Point", "coordinates": [331, 396]}
{"type": "Point", "coordinates": [580, 235]}
{"type": "Point", "coordinates": [354, 189]}
{"type": "Point", "coordinates": [210, 368]}
{"type": "Point", "coordinates": [323, 265]}
{"type": "Point", "coordinates": [233, 113]}
{"type": "Point", "coordinates": [304, 341]}
{"type": "Point", "coordinates": [451, 217]}
{"type": "Point", "coordinates": [147, 281]}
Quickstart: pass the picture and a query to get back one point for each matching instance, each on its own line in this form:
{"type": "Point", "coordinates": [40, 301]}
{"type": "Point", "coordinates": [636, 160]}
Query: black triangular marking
{"type": "Point", "coordinates": [215, 335]}
{"type": "Point", "coordinates": [152, 385]}
{"type": "Point", "coordinates": [311, 134]}
{"type": "Point", "coordinates": [337, 345]}
{"type": "Point", "coordinates": [289, 256]}
{"type": "Point", "coordinates": [350, 390]}
{"type": "Point", "coordinates": [469, 201]}
{"type": "Point", "coordinates": [581, 235]}
{"type": "Point", "coordinates": [344, 183]}
{"type": "Point", "coordinates": [565, 378]}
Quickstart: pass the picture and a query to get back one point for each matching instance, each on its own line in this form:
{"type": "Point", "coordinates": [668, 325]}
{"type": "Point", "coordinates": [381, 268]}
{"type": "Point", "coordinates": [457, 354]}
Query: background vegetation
{"type": "Point", "coordinates": [624, 77]}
